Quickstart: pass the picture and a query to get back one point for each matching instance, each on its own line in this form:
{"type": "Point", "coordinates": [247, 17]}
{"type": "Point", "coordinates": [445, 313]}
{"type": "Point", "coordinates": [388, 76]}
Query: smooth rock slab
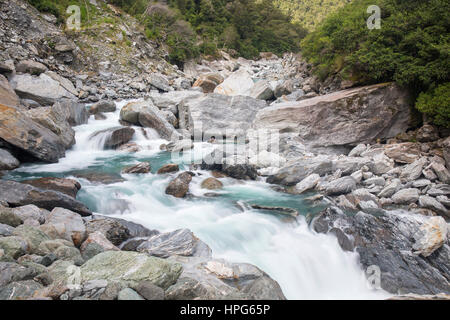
{"type": "Point", "coordinates": [406, 196]}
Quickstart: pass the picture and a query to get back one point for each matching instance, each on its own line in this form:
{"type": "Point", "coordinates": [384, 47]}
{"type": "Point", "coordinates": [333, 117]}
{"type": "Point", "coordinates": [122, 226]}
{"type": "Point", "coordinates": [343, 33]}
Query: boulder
{"type": "Point", "coordinates": [218, 115]}
{"type": "Point", "coordinates": [308, 183]}
{"type": "Point", "coordinates": [168, 168]}
{"type": "Point", "coordinates": [441, 171]}
{"type": "Point", "coordinates": [31, 67]}
{"type": "Point", "coordinates": [32, 138]}
{"type": "Point", "coordinates": [396, 242]}
{"type": "Point", "coordinates": [151, 117]}
{"type": "Point", "coordinates": [68, 225]}
{"type": "Point", "coordinates": [7, 160]}
{"type": "Point", "coordinates": [433, 204]}
{"type": "Point", "coordinates": [446, 152]}
{"type": "Point", "coordinates": [69, 187]}
{"type": "Point", "coordinates": [20, 290]}
{"type": "Point", "coordinates": [149, 291]}
{"type": "Point", "coordinates": [427, 133]}
{"type": "Point", "coordinates": [407, 152]}
{"type": "Point", "coordinates": [389, 190]}
{"type": "Point", "coordinates": [413, 171]}
{"type": "Point", "coordinates": [43, 89]}
{"type": "Point", "coordinates": [341, 186]}
{"type": "Point", "coordinates": [179, 187]}
{"type": "Point", "coordinates": [129, 294]}
{"type": "Point", "coordinates": [102, 107]}
{"type": "Point", "coordinates": [100, 239]}
{"type": "Point", "coordinates": [160, 82]}
{"type": "Point", "coordinates": [13, 246]}
{"type": "Point", "coordinates": [130, 269]}
{"type": "Point", "coordinates": [30, 212]}
{"type": "Point", "coordinates": [356, 151]}
{"type": "Point", "coordinates": [143, 167]}
{"type": "Point", "coordinates": [33, 236]}
{"type": "Point", "coordinates": [75, 113]}
{"type": "Point", "coordinates": [9, 217]}
{"type": "Point", "coordinates": [208, 82]}
{"type": "Point", "coordinates": [180, 242]}
{"type": "Point", "coordinates": [115, 230]}
{"type": "Point", "coordinates": [381, 164]}
{"type": "Point", "coordinates": [238, 83]}
{"type": "Point", "coordinates": [211, 184]}
{"type": "Point", "coordinates": [406, 196]}
{"type": "Point", "coordinates": [344, 118]}
{"type": "Point", "coordinates": [19, 194]}
{"type": "Point", "coordinates": [261, 90]}
{"type": "Point", "coordinates": [7, 95]}
{"type": "Point", "coordinates": [112, 138]}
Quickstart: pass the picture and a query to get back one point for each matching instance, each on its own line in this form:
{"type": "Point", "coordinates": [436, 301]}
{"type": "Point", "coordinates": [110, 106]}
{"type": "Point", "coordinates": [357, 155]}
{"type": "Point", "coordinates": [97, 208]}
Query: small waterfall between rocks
{"type": "Point", "coordinates": [307, 265]}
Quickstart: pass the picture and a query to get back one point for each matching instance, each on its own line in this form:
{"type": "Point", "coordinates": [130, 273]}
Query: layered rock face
{"type": "Point", "coordinates": [343, 118]}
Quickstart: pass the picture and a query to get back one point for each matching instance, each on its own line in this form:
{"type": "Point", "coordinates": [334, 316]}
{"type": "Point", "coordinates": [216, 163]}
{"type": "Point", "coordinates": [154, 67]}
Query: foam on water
{"type": "Point", "coordinates": [307, 265]}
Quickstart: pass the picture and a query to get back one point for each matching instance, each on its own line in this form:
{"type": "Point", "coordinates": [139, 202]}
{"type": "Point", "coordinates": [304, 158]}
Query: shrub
{"type": "Point", "coordinates": [436, 104]}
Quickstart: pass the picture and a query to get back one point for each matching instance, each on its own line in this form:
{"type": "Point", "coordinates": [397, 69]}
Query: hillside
{"type": "Point", "coordinates": [309, 13]}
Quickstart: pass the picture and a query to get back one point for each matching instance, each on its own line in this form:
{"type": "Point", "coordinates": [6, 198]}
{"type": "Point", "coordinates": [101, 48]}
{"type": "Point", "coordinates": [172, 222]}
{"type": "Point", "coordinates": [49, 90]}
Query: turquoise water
{"type": "Point", "coordinates": [306, 264]}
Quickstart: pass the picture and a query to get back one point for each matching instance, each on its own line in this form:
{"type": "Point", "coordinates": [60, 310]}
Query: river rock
{"type": "Point", "coordinates": [69, 187]}
{"type": "Point", "coordinates": [427, 133]}
{"type": "Point", "coordinates": [68, 225]}
{"type": "Point", "coordinates": [389, 190]}
{"type": "Point", "coordinates": [160, 82]}
{"type": "Point", "coordinates": [262, 90]}
{"type": "Point", "coordinates": [115, 230]}
{"type": "Point", "coordinates": [114, 137]}
{"type": "Point", "coordinates": [130, 268]}
{"type": "Point", "coordinates": [238, 83]}
{"type": "Point", "coordinates": [406, 196]}
{"type": "Point", "coordinates": [446, 152]}
{"type": "Point", "coordinates": [5, 230]}
{"type": "Point", "coordinates": [25, 134]}
{"type": "Point", "coordinates": [75, 113]}
{"type": "Point", "coordinates": [100, 239]}
{"type": "Point", "coordinates": [129, 294]}
{"type": "Point", "coordinates": [102, 107]}
{"type": "Point", "coordinates": [7, 95]}
{"type": "Point", "coordinates": [203, 279]}
{"type": "Point", "coordinates": [432, 204]}
{"type": "Point", "coordinates": [152, 117]}
{"type": "Point", "coordinates": [341, 186]}
{"type": "Point", "coordinates": [143, 167]}
{"type": "Point", "coordinates": [21, 290]}
{"type": "Point", "coordinates": [179, 187]}
{"type": "Point", "coordinates": [218, 115]}
{"type": "Point", "coordinates": [208, 81]}
{"type": "Point", "coordinates": [381, 164]}
{"type": "Point", "coordinates": [211, 184]}
{"type": "Point", "coordinates": [168, 168]}
{"type": "Point", "coordinates": [441, 171]}
{"type": "Point", "coordinates": [180, 242]}
{"type": "Point", "coordinates": [19, 194]}
{"type": "Point", "coordinates": [413, 171]}
{"type": "Point", "coordinates": [310, 182]}
{"type": "Point", "coordinates": [13, 246]}
{"type": "Point", "coordinates": [392, 241]}
{"type": "Point", "coordinates": [31, 67]}
{"type": "Point", "coordinates": [356, 151]}
{"type": "Point", "coordinates": [149, 291]}
{"type": "Point", "coordinates": [33, 236]}
{"type": "Point", "coordinates": [344, 118]}
{"type": "Point", "coordinates": [407, 152]}
{"type": "Point", "coordinates": [7, 160]}
{"type": "Point", "coordinates": [43, 89]}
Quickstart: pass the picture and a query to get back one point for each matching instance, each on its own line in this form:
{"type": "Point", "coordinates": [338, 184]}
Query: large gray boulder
{"type": "Point", "coordinates": [7, 160]}
{"type": "Point", "coordinates": [238, 83]}
{"type": "Point", "coordinates": [19, 194]}
{"type": "Point", "coordinates": [411, 250]}
{"type": "Point", "coordinates": [34, 139]}
{"type": "Point", "coordinates": [216, 114]}
{"type": "Point", "coordinates": [344, 118]}
{"type": "Point", "coordinates": [112, 138]}
{"type": "Point", "coordinates": [43, 89]}
{"type": "Point", "coordinates": [7, 95]}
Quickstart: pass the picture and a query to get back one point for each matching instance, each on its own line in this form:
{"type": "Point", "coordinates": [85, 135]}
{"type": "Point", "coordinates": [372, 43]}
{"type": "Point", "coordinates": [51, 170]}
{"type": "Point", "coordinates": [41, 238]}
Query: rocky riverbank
{"type": "Point", "coordinates": [386, 179]}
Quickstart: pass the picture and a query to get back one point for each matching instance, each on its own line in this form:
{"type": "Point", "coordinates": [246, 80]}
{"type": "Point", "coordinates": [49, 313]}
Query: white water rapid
{"type": "Point", "coordinates": [307, 265]}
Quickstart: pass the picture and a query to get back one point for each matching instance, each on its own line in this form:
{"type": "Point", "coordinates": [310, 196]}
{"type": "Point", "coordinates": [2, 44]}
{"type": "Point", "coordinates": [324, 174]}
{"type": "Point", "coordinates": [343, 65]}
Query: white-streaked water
{"type": "Point", "coordinates": [307, 265]}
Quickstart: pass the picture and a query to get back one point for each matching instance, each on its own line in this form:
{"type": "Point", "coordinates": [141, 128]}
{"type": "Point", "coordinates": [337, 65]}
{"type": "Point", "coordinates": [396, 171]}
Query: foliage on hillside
{"type": "Point", "coordinates": [412, 48]}
{"type": "Point", "coordinates": [309, 13]}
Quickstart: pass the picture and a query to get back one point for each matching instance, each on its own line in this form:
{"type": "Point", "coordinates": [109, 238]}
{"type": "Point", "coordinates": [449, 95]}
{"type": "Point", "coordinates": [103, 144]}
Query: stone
{"type": "Point", "coordinates": [21, 290]}
{"type": "Point", "coordinates": [265, 159]}
{"type": "Point", "coordinates": [427, 133]}
{"type": "Point", "coordinates": [69, 225]}
{"type": "Point", "coordinates": [69, 253]}
{"type": "Point", "coordinates": [9, 217]}
{"type": "Point", "coordinates": [114, 137]}
{"type": "Point", "coordinates": [208, 81]}
{"type": "Point", "coordinates": [378, 181]}
{"type": "Point", "coordinates": [356, 151]}
{"type": "Point", "coordinates": [180, 146]}
{"type": "Point", "coordinates": [19, 194]}
{"type": "Point", "coordinates": [142, 167]}
{"type": "Point", "coordinates": [262, 90]}
{"type": "Point", "coordinates": [180, 242]}
{"type": "Point", "coordinates": [238, 83]}
{"type": "Point", "coordinates": [310, 182]}
{"type": "Point", "coordinates": [413, 171]}
{"type": "Point", "coordinates": [407, 152]}
{"type": "Point", "coordinates": [11, 272]}
{"type": "Point", "coordinates": [390, 189]}
{"type": "Point", "coordinates": [8, 97]}
{"type": "Point", "coordinates": [100, 239]}
{"type": "Point", "coordinates": [151, 117]}
{"type": "Point", "coordinates": [343, 118]}
{"type": "Point", "coordinates": [149, 291]}
{"type": "Point", "coordinates": [211, 184]}
{"type": "Point", "coordinates": [283, 211]}
{"type": "Point", "coordinates": [381, 164]}
{"type": "Point", "coordinates": [13, 246]}
{"type": "Point", "coordinates": [446, 152]}
{"type": "Point", "coordinates": [431, 236]}
{"type": "Point", "coordinates": [160, 82]}
{"type": "Point", "coordinates": [340, 186]}
{"type": "Point", "coordinates": [7, 160]}
{"type": "Point", "coordinates": [218, 115]}
{"type": "Point", "coordinates": [442, 173]}
{"type": "Point", "coordinates": [444, 200]}
{"type": "Point", "coordinates": [33, 236]}
{"type": "Point", "coordinates": [31, 67]}
{"type": "Point", "coordinates": [406, 196]}
{"type": "Point", "coordinates": [75, 113]}
{"type": "Point", "coordinates": [168, 168]}
{"type": "Point", "coordinates": [392, 240]}
{"type": "Point", "coordinates": [433, 204]}
{"type": "Point", "coordinates": [129, 294]}
{"type": "Point", "coordinates": [99, 177]}
{"type": "Point", "coordinates": [102, 107]}
{"type": "Point", "coordinates": [115, 230]}
{"type": "Point", "coordinates": [69, 187]}
{"type": "Point", "coordinates": [43, 89]}
{"type": "Point", "coordinates": [32, 138]}
{"type": "Point", "coordinates": [48, 247]}
{"type": "Point", "coordinates": [5, 230]}
{"type": "Point", "coordinates": [30, 212]}
{"type": "Point", "coordinates": [130, 268]}
{"type": "Point", "coordinates": [179, 187]}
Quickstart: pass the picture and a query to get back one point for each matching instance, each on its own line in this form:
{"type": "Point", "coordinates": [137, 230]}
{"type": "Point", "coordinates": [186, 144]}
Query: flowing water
{"type": "Point", "coordinates": [307, 265]}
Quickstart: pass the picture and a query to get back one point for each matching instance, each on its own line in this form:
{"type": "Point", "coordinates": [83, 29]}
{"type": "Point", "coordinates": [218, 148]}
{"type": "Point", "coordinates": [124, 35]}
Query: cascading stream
{"type": "Point", "coordinates": [307, 265]}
